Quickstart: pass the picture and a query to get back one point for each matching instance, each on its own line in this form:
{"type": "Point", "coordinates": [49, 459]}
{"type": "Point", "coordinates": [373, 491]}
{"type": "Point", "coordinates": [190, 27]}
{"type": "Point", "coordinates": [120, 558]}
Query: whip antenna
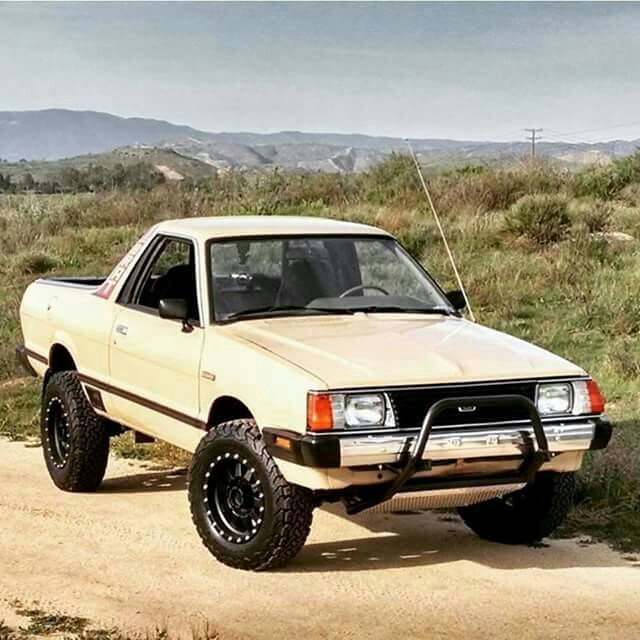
{"type": "Point", "coordinates": [444, 237]}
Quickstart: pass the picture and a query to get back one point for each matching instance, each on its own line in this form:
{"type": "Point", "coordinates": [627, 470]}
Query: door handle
{"type": "Point", "coordinates": [122, 329]}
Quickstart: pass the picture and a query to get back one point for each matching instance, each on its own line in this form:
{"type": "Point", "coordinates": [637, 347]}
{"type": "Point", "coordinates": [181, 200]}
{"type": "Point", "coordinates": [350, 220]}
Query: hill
{"type": "Point", "coordinates": [166, 161]}
{"type": "Point", "coordinates": [60, 133]}
{"type": "Point", "coordinates": [52, 134]}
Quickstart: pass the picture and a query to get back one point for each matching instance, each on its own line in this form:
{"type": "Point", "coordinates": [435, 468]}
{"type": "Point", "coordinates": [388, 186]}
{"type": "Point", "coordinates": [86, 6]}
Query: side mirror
{"type": "Point", "coordinates": [175, 309]}
{"type": "Point", "coordinates": [456, 298]}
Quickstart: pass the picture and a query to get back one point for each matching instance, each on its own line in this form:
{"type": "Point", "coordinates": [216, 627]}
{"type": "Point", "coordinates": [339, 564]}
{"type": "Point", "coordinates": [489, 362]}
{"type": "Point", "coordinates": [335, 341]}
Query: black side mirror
{"type": "Point", "coordinates": [456, 298]}
{"type": "Point", "coordinates": [175, 309]}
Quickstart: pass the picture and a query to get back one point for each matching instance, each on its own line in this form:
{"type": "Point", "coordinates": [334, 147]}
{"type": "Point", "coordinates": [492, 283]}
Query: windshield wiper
{"type": "Point", "coordinates": [285, 308]}
{"type": "Point", "coordinates": [390, 309]}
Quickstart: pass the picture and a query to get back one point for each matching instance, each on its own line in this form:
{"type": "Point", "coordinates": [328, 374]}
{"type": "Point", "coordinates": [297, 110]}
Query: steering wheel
{"type": "Point", "coordinates": [362, 287]}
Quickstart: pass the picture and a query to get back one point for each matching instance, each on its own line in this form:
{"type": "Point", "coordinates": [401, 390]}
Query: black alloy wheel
{"type": "Point", "coordinates": [75, 440]}
{"type": "Point", "coordinates": [58, 441]}
{"type": "Point", "coordinates": [245, 511]}
{"type": "Point", "coordinates": [233, 498]}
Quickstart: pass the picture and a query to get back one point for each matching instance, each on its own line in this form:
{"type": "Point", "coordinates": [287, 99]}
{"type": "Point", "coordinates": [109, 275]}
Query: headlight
{"type": "Point", "coordinates": [579, 397]}
{"type": "Point", "coordinates": [364, 411]}
{"type": "Point", "coordinates": [326, 411]}
{"type": "Point", "coordinates": [554, 398]}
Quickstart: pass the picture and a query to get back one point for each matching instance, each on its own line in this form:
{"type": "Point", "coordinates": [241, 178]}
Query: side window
{"type": "Point", "coordinates": [171, 274]}
{"type": "Point", "coordinates": [175, 253]}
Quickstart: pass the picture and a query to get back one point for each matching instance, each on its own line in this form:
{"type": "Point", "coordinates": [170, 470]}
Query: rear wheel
{"type": "Point", "coordinates": [246, 513]}
{"type": "Point", "coordinates": [74, 438]}
{"type": "Point", "coordinates": [524, 516]}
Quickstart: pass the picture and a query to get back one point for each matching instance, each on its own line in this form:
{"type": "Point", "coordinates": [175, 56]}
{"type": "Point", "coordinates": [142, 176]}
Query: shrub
{"type": "Point", "coordinates": [631, 194]}
{"type": "Point", "coordinates": [593, 214]}
{"type": "Point", "coordinates": [487, 189]}
{"type": "Point", "coordinates": [624, 356]}
{"type": "Point", "coordinates": [415, 238]}
{"type": "Point", "coordinates": [608, 182]}
{"type": "Point", "coordinates": [35, 263]}
{"type": "Point", "coordinates": [482, 190]}
{"type": "Point", "coordinates": [542, 218]}
{"type": "Point", "coordinates": [394, 181]}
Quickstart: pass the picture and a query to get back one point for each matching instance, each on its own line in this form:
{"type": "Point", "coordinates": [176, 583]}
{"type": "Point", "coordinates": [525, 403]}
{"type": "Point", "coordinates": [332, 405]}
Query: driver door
{"type": "Point", "coordinates": [155, 362]}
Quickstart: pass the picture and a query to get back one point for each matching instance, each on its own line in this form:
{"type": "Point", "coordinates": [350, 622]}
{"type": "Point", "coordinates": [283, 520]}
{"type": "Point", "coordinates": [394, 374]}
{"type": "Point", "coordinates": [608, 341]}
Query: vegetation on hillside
{"type": "Point", "coordinates": [140, 175]}
{"type": "Point", "coordinates": [536, 246]}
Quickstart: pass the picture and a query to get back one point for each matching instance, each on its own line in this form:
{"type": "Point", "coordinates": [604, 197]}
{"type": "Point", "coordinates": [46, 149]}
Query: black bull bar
{"type": "Point", "coordinates": [413, 457]}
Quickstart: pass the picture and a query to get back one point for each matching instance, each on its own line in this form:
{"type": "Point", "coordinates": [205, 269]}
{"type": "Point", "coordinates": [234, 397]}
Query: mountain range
{"type": "Point", "coordinates": [52, 134]}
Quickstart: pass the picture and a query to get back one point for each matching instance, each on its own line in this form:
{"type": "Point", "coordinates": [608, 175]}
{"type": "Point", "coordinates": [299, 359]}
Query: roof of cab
{"type": "Point", "coordinates": [233, 226]}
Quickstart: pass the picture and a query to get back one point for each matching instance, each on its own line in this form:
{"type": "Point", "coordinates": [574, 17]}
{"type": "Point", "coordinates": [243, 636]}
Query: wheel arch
{"type": "Point", "coordinates": [60, 359]}
{"type": "Point", "coordinates": [226, 408]}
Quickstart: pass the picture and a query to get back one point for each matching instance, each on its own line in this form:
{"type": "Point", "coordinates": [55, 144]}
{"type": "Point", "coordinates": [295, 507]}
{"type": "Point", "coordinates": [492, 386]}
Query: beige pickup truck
{"type": "Point", "coordinates": [304, 361]}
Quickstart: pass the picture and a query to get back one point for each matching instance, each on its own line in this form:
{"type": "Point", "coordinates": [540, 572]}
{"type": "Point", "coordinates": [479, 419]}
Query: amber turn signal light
{"type": "Point", "coordinates": [596, 399]}
{"type": "Point", "coordinates": [319, 412]}
{"type": "Point", "coordinates": [283, 443]}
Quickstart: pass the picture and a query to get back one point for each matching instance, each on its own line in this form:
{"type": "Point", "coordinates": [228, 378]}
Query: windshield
{"type": "Point", "coordinates": [313, 275]}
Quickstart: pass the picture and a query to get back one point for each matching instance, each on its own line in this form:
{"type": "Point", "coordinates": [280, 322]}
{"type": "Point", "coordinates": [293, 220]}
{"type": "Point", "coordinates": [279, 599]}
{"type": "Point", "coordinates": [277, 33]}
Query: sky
{"type": "Point", "coordinates": [433, 70]}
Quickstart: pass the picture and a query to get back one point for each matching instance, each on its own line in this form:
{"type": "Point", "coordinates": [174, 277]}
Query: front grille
{"type": "Point", "coordinates": [411, 405]}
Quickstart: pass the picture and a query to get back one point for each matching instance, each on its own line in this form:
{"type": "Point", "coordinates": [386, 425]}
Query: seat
{"type": "Point", "coordinates": [303, 280]}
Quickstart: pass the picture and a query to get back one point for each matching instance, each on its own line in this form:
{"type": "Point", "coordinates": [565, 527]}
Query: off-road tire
{"type": "Point", "coordinates": [81, 465]}
{"type": "Point", "coordinates": [525, 516]}
{"type": "Point", "coordinates": [287, 509]}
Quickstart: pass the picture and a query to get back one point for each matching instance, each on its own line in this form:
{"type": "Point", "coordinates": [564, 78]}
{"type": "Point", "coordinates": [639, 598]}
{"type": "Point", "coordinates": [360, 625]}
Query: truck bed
{"type": "Point", "coordinates": [88, 282]}
{"type": "Point", "coordinates": [68, 311]}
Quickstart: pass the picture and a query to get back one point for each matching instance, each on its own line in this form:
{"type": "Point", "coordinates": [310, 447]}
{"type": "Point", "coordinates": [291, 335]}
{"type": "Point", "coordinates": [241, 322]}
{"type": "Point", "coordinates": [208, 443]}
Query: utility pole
{"type": "Point", "coordinates": [532, 138]}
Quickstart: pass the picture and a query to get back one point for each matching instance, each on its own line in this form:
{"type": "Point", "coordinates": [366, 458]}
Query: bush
{"type": "Point", "coordinates": [631, 194]}
{"type": "Point", "coordinates": [624, 356]}
{"type": "Point", "coordinates": [542, 218]}
{"type": "Point", "coordinates": [608, 182]}
{"type": "Point", "coordinates": [394, 181]}
{"type": "Point", "coordinates": [593, 214]}
{"type": "Point", "coordinates": [482, 190]}
{"type": "Point", "coordinates": [35, 263]}
{"type": "Point", "coordinates": [491, 189]}
{"type": "Point", "coordinates": [598, 218]}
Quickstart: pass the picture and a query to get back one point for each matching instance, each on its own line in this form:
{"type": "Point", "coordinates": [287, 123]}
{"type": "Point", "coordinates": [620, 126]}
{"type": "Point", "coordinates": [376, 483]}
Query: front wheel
{"type": "Point", "coordinates": [246, 513]}
{"type": "Point", "coordinates": [524, 516]}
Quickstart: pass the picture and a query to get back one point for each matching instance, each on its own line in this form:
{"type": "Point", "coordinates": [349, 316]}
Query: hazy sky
{"type": "Point", "coordinates": [463, 70]}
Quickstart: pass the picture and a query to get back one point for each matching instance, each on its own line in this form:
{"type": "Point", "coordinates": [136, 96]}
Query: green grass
{"type": "Point", "coordinates": [19, 409]}
{"type": "Point", "coordinates": [574, 292]}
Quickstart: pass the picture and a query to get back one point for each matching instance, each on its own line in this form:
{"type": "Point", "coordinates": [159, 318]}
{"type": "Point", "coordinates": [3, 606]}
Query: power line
{"type": "Point", "coordinates": [532, 138]}
{"type": "Point", "coordinates": [614, 126]}
{"type": "Point", "coordinates": [557, 134]}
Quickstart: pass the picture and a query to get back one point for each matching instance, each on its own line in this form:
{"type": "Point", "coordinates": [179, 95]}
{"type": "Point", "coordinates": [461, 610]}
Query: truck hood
{"type": "Point", "coordinates": [370, 350]}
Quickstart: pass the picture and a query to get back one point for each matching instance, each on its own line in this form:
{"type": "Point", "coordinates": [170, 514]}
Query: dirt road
{"type": "Point", "coordinates": [128, 555]}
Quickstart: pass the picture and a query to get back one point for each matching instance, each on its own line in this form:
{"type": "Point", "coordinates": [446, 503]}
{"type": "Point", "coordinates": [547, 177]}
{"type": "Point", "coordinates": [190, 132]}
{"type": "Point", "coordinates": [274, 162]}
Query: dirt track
{"type": "Point", "coordinates": [128, 555]}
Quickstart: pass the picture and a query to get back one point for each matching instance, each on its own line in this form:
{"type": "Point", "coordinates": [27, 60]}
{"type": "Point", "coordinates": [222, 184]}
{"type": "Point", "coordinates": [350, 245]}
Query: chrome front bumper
{"type": "Point", "coordinates": [529, 444]}
{"type": "Point", "coordinates": [489, 442]}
